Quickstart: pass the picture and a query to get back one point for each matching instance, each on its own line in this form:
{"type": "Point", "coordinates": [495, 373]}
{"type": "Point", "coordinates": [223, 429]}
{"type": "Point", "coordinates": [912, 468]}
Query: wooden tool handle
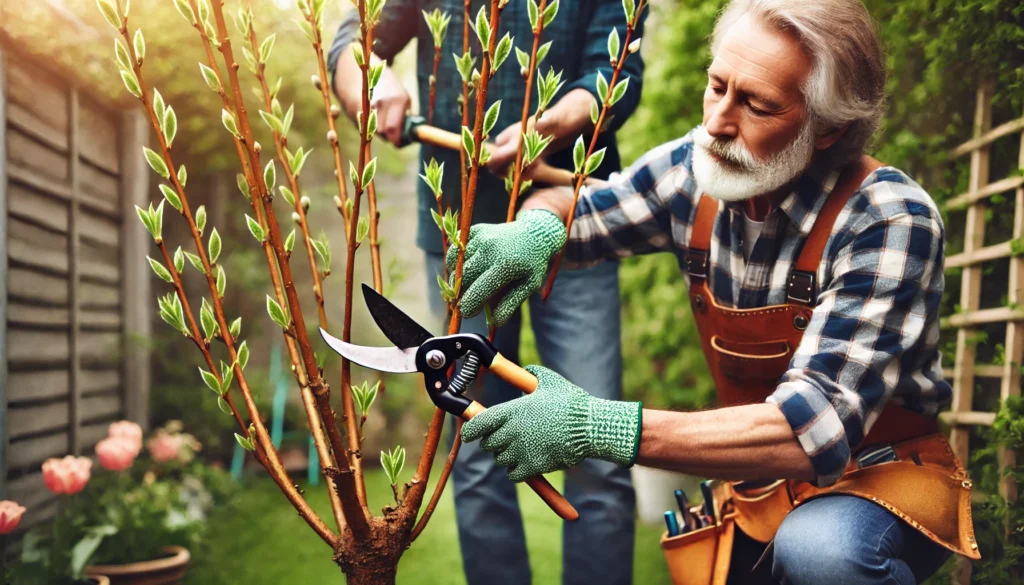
{"type": "Point", "coordinates": [538, 483]}
{"type": "Point", "coordinates": [513, 374]}
{"type": "Point", "coordinates": [540, 171]}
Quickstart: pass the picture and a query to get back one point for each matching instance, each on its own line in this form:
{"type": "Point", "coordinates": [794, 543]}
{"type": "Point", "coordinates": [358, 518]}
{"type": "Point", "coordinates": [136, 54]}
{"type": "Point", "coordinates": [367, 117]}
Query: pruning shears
{"type": "Point", "coordinates": [416, 350]}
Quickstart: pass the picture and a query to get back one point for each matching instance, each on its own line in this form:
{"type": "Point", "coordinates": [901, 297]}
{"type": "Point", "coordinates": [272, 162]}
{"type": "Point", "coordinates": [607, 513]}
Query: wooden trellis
{"type": "Point", "coordinates": [972, 260]}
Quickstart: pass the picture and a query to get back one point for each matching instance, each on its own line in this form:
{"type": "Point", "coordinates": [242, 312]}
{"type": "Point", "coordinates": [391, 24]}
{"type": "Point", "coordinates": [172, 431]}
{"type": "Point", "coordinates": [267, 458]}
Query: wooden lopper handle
{"type": "Point", "coordinates": [540, 171]}
{"type": "Point", "coordinates": [538, 483]}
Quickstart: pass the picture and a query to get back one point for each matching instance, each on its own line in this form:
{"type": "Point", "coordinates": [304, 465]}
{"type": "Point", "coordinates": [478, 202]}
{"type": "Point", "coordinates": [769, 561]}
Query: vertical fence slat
{"type": "Point", "coordinates": [74, 259]}
{"type": "Point", "coordinates": [136, 296]}
{"type": "Point", "coordinates": [4, 275]}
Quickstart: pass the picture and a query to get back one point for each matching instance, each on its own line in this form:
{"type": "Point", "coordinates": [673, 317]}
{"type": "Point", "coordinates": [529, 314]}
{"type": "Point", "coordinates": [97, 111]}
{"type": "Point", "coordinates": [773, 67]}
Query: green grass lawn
{"type": "Point", "coordinates": [257, 539]}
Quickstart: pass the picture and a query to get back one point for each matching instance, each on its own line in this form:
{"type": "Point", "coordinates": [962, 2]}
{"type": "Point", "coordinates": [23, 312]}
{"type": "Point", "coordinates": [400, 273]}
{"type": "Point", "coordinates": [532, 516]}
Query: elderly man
{"type": "Point", "coordinates": [577, 330]}
{"type": "Point", "coordinates": [815, 275]}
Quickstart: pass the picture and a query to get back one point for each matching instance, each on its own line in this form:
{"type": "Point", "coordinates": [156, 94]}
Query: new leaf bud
{"type": "Point", "coordinates": [634, 46]}
{"type": "Point", "coordinates": [256, 147]}
{"type": "Point", "coordinates": [295, 216]}
{"type": "Point", "coordinates": [305, 202]}
{"type": "Point", "coordinates": [317, 83]}
{"type": "Point", "coordinates": [335, 111]}
{"type": "Point", "coordinates": [332, 137]}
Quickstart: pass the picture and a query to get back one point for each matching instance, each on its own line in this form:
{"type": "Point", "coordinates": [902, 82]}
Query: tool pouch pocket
{"type": "Point", "coordinates": [751, 361]}
{"type": "Point", "coordinates": [760, 509]}
{"type": "Point", "coordinates": [700, 557]}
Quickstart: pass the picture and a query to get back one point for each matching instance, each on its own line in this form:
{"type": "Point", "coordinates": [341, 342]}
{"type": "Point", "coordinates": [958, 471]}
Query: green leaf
{"type": "Point", "coordinates": [207, 320]}
{"type": "Point", "coordinates": [200, 219]}
{"type": "Point", "coordinates": [270, 175]}
{"type": "Point", "coordinates": [602, 86]}
{"type": "Point", "coordinates": [352, 174]}
{"type": "Point", "coordinates": [534, 13]}
{"type": "Point", "coordinates": [140, 45]}
{"type": "Point", "coordinates": [618, 91]}
{"type": "Point", "coordinates": [196, 262]}
{"type": "Point", "coordinates": [465, 65]}
{"type": "Point", "coordinates": [229, 122]}
{"type": "Point", "coordinates": [437, 219]}
{"type": "Point", "coordinates": [323, 247]}
{"type": "Point", "coordinates": [83, 550]}
{"type": "Point", "coordinates": [613, 45]}
{"type": "Point", "coordinates": [158, 217]}
{"type": "Point", "coordinates": [501, 52]}
{"type": "Point", "coordinates": [170, 125]}
{"type": "Point", "coordinates": [467, 141]}
{"type": "Point", "coordinates": [211, 380]}
{"type": "Point", "coordinates": [156, 162]}
{"type": "Point", "coordinates": [393, 462]}
{"type": "Point", "coordinates": [227, 375]}
{"type": "Point", "coordinates": [255, 229]}
{"type": "Point", "coordinates": [179, 259]}
{"type": "Point", "coordinates": [159, 108]}
{"type": "Point", "coordinates": [223, 405]}
{"type": "Point", "coordinates": [362, 228]}
{"type": "Point", "coordinates": [160, 270]}
{"type": "Point", "coordinates": [124, 60]}
{"type": "Point", "coordinates": [146, 220]}
{"type": "Point", "coordinates": [185, 10]}
{"type": "Point", "coordinates": [371, 125]}
{"type": "Point", "coordinates": [171, 196]}
{"type": "Point", "coordinates": [266, 47]}
{"type": "Point", "coordinates": [272, 122]}
{"type": "Point", "coordinates": [182, 176]}
{"type": "Point", "coordinates": [369, 172]}
{"type": "Point", "coordinates": [221, 282]}
{"type": "Point", "coordinates": [483, 28]}
{"type": "Point", "coordinates": [373, 74]}
{"type": "Point", "coordinates": [250, 59]}
{"type": "Point", "coordinates": [289, 242]}
{"type": "Point", "coordinates": [243, 352]}
{"type": "Point", "coordinates": [245, 443]}
{"type": "Point", "coordinates": [243, 185]}
{"type": "Point", "coordinates": [301, 156]}
{"type": "Point", "coordinates": [550, 12]}
{"type": "Point", "coordinates": [491, 117]}
{"type": "Point", "coordinates": [629, 8]}
{"type": "Point", "coordinates": [542, 51]}
{"type": "Point", "coordinates": [277, 314]}
{"type": "Point", "coordinates": [210, 76]}
{"type": "Point", "coordinates": [214, 246]}
{"type": "Point", "coordinates": [595, 112]}
{"type": "Point", "coordinates": [594, 161]}
{"type": "Point", "coordinates": [287, 121]}
{"type": "Point", "coordinates": [131, 82]}
{"type": "Point", "coordinates": [234, 329]}
{"type": "Point", "coordinates": [110, 13]}
{"type": "Point", "coordinates": [523, 57]}
{"type": "Point", "coordinates": [578, 153]}
{"type": "Point", "coordinates": [288, 195]}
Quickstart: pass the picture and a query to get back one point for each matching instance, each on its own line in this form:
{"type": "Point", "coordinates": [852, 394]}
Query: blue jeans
{"type": "Point", "coordinates": [578, 335]}
{"type": "Point", "coordinates": [845, 540]}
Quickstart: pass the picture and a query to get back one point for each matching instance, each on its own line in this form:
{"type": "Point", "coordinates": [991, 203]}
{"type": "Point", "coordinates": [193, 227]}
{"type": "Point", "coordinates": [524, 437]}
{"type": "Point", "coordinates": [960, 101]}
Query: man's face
{"type": "Point", "coordinates": [757, 133]}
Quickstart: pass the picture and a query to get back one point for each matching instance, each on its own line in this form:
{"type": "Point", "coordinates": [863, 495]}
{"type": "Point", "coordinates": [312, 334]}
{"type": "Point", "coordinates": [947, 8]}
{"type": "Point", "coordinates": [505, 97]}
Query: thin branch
{"type": "Point", "coordinates": [354, 515]}
{"type": "Point", "coordinates": [272, 462]}
{"type": "Point", "coordinates": [442, 480]}
{"type": "Point", "coordinates": [517, 169]}
{"type": "Point", "coordinates": [605, 105]}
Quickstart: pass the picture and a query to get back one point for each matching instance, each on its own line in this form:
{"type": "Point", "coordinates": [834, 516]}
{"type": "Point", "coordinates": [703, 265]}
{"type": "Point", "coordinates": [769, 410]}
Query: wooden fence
{"type": "Point", "coordinates": [973, 260]}
{"type": "Point", "coordinates": [74, 297]}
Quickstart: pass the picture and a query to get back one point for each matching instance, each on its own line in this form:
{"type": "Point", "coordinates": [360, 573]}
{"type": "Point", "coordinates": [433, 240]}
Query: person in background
{"type": "Point", "coordinates": [577, 330]}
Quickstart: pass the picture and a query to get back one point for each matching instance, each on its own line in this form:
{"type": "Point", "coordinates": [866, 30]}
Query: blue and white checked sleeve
{"type": "Point", "coordinates": [632, 213]}
{"type": "Point", "coordinates": [873, 319]}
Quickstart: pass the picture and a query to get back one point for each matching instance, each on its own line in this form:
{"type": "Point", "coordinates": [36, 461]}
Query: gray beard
{"type": "Point", "coordinates": [747, 177]}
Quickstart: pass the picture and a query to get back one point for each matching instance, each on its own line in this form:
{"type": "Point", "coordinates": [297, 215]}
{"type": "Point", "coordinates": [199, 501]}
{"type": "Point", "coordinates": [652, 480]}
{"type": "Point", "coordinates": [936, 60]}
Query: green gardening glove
{"type": "Point", "coordinates": [511, 256]}
{"type": "Point", "coordinates": [556, 427]}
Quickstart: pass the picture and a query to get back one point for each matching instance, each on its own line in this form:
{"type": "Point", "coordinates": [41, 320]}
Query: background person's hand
{"type": "Point", "coordinates": [503, 150]}
{"type": "Point", "coordinates": [392, 103]}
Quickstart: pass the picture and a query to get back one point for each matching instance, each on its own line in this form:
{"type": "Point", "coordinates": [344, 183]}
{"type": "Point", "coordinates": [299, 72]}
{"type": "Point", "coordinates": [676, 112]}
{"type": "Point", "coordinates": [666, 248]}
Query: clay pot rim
{"type": "Point", "coordinates": [179, 557]}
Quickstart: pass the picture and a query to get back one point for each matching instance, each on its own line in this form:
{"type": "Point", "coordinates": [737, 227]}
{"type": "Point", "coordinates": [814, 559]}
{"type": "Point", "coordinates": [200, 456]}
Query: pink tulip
{"type": "Point", "coordinates": [116, 453]}
{"type": "Point", "coordinates": [164, 446]}
{"type": "Point", "coordinates": [10, 516]}
{"type": "Point", "coordinates": [68, 475]}
{"type": "Point", "coordinates": [128, 430]}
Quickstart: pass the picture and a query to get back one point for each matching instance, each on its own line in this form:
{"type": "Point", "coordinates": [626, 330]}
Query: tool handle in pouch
{"type": "Point", "coordinates": [538, 483]}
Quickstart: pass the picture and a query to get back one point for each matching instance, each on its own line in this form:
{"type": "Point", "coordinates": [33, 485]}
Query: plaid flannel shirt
{"type": "Point", "coordinates": [874, 331]}
{"type": "Point", "coordinates": [579, 36]}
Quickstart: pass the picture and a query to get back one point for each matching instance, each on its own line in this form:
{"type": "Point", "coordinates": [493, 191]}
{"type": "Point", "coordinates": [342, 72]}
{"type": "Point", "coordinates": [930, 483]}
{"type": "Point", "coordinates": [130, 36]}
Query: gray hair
{"type": "Point", "coordinates": [847, 83]}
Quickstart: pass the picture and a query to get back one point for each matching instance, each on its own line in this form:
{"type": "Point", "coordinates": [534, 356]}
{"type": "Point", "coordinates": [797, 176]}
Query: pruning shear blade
{"type": "Point", "coordinates": [382, 359]}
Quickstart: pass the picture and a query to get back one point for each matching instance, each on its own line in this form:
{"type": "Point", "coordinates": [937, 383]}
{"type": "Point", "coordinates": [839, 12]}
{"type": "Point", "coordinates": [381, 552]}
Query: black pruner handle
{"type": "Point", "coordinates": [409, 129]}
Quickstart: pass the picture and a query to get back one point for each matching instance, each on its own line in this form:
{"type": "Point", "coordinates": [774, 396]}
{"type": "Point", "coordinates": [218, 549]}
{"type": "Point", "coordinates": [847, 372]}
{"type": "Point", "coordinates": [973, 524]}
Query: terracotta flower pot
{"type": "Point", "coordinates": [168, 570]}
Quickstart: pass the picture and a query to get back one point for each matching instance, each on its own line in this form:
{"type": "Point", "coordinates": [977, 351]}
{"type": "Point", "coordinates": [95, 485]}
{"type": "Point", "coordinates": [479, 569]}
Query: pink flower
{"type": "Point", "coordinates": [116, 453]}
{"type": "Point", "coordinates": [68, 475]}
{"type": "Point", "coordinates": [10, 516]}
{"type": "Point", "coordinates": [128, 430]}
{"type": "Point", "coordinates": [164, 446]}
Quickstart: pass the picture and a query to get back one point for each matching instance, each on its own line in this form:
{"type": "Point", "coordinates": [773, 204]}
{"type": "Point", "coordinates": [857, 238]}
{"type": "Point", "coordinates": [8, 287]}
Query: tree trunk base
{"type": "Point", "coordinates": [375, 560]}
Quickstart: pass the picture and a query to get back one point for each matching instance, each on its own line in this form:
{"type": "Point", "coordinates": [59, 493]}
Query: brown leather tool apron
{"type": "Point", "coordinates": [748, 351]}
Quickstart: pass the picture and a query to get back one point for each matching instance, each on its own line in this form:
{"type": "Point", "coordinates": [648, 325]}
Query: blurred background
{"type": "Point", "coordinates": [956, 72]}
